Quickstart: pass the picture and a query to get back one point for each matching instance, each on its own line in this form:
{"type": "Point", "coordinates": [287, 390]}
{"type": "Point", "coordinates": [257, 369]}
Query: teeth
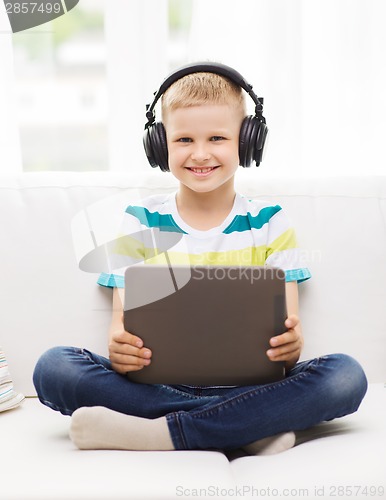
{"type": "Point", "coordinates": [202, 170]}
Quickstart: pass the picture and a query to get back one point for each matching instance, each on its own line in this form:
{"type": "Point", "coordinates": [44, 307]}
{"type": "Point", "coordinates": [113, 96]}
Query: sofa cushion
{"type": "Point", "coordinates": [329, 459]}
{"type": "Point", "coordinates": [41, 463]}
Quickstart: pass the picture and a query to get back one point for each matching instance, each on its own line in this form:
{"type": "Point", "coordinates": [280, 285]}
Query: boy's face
{"type": "Point", "coordinates": [203, 145]}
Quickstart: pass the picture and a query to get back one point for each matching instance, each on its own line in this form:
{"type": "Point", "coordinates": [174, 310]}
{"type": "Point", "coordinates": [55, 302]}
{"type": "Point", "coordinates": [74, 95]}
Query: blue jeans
{"type": "Point", "coordinates": [67, 378]}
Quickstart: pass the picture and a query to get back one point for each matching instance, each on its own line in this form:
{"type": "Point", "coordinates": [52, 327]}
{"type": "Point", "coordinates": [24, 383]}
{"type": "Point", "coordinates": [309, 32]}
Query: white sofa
{"type": "Point", "coordinates": [46, 300]}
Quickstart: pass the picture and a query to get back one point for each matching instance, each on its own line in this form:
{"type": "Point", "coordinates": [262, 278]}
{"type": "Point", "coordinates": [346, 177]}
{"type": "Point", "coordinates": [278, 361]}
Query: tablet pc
{"type": "Point", "coordinates": [206, 325]}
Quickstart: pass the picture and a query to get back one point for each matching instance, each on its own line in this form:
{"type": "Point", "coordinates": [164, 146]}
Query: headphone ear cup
{"type": "Point", "coordinates": [245, 143]}
{"type": "Point", "coordinates": [155, 144]}
{"type": "Point", "coordinates": [251, 142]}
{"type": "Point", "coordinates": [147, 144]}
{"type": "Point", "coordinates": [260, 143]}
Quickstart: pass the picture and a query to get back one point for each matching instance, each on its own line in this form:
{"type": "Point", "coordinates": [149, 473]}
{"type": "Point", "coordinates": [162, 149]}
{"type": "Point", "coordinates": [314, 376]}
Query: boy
{"type": "Point", "coordinates": [201, 141]}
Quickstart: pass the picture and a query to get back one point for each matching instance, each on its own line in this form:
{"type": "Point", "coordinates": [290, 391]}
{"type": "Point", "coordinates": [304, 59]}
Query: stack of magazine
{"type": "Point", "coordinates": [8, 397]}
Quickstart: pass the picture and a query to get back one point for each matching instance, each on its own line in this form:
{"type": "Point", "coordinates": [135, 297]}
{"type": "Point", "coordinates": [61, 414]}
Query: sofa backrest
{"type": "Point", "coordinates": [49, 221]}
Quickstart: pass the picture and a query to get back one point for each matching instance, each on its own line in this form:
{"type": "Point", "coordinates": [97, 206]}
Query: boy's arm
{"type": "Point", "coordinates": [287, 347]}
{"type": "Point", "coordinates": [126, 351]}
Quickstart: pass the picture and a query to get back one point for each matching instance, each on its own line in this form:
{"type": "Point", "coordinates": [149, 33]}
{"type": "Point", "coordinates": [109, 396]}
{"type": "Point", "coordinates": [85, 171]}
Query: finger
{"type": "Point", "coordinates": [291, 321]}
{"type": "Point", "coordinates": [127, 359]}
{"type": "Point", "coordinates": [128, 350]}
{"type": "Point", "coordinates": [123, 337]}
{"type": "Point", "coordinates": [285, 348]}
{"type": "Point", "coordinates": [124, 369]}
{"type": "Point", "coordinates": [282, 354]}
{"type": "Point", "coordinates": [287, 337]}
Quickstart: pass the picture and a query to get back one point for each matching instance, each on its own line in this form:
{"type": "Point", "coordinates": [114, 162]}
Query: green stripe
{"type": "Point", "coordinates": [246, 256]}
{"type": "Point", "coordinates": [246, 222]}
{"type": "Point", "coordinates": [154, 219]}
{"type": "Point", "coordinates": [285, 241]}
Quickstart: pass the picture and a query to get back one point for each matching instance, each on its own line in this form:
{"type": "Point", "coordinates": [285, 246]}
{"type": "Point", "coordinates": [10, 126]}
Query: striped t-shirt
{"type": "Point", "coordinates": [255, 233]}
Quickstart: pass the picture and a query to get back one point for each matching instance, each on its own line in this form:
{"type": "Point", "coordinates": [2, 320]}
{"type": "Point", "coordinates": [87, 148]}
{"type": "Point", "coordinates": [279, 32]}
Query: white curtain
{"type": "Point", "coordinates": [10, 151]}
{"type": "Point", "coordinates": [320, 65]}
{"type": "Point", "coordinates": [136, 38]}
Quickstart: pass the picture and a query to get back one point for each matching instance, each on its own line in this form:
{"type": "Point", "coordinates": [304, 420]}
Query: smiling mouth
{"type": "Point", "coordinates": [201, 170]}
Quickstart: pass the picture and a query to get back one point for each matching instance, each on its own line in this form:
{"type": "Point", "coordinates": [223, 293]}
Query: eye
{"type": "Point", "coordinates": [216, 138]}
{"type": "Point", "coordinates": [184, 139]}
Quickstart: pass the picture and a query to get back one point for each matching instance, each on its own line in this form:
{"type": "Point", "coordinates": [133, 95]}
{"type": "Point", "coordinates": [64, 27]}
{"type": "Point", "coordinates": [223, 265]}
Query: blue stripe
{"type": "Point", "coordinates": [246, 222]}
{"type": "Point", "coordinates": [154, 219]}
{"type": "Point", "coordinates": [298, 275]}
{"type": "Point", "coordinates": [111, 280]}
{"type": "Point", "coordinates": [2, 394]}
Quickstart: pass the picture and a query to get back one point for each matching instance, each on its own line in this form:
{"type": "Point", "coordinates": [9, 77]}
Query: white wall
{"type": "Point", "coordinates": [10, 154]}
{"type": "Point", "coordinates": [320, 66]}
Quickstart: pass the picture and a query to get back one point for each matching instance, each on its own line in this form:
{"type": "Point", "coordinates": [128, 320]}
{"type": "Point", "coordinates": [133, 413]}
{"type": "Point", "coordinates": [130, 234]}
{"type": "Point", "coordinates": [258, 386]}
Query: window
{"type": "Point", "coordinates": [60, 70]}
{"type": "Point", "coordinates": [72, 75]}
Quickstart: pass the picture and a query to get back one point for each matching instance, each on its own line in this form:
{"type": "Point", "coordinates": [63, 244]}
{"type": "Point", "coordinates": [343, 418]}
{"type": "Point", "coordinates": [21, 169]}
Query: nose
{"type": "Point", "coordinates": [200, 153]}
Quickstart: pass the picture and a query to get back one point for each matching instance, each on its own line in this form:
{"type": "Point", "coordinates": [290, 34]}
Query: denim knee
{"type": "Point", "coordinates": [348, 382]}
{"type": "Point", "coordinates": [51, 367]}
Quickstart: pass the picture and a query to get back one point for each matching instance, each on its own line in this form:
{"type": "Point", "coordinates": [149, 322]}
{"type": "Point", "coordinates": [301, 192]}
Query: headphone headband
{"type": "Point", "coordinates": [204, 67]}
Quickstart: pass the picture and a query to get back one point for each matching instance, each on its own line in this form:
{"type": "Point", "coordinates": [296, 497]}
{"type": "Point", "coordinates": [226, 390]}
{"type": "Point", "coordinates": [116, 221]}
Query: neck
{"type": "Point", "coordinates": [221, 199]}
{"type": "Point", "coordinates": [204, 211]}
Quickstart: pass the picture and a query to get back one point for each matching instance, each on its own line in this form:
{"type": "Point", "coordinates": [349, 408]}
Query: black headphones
{"type": "Point", "coordinates": [253, 130]}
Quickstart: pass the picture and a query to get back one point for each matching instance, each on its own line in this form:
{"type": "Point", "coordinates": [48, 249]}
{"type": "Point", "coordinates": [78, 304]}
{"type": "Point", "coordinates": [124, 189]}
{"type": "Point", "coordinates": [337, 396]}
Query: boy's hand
{"type": "Point", "coordinates": [287, 346]}
{"type": "Point", "coordinates": [126, 352]}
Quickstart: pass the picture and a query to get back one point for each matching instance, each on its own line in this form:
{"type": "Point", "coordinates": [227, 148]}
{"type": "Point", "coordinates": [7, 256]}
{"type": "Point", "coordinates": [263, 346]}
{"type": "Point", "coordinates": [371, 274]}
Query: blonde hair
{"type": "Point", "coordinates": [202, 88]}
